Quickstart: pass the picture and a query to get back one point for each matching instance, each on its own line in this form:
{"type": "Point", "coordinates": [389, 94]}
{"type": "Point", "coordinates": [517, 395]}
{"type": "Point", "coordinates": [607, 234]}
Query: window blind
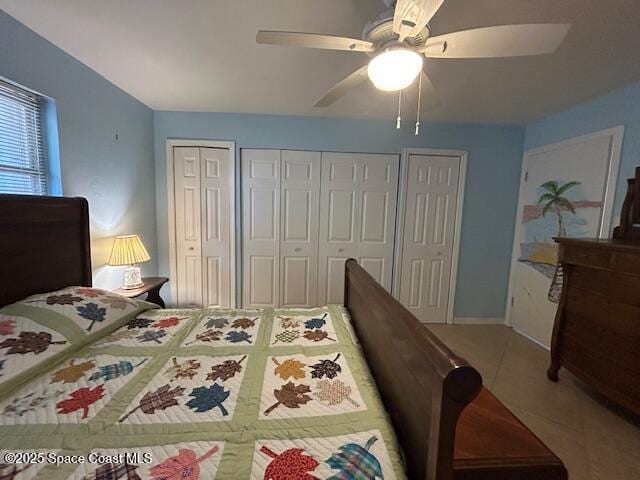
{"type": "Point", "coordinates": [22, 159]}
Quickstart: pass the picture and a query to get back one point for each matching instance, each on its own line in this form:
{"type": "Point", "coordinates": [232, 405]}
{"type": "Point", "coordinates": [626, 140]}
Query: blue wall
{"type": "Point", "coordinates": [620, 107]}
{"type": "Point", "coordinates": [493, 174]}
{"type": "Point", "coordinates": [107, 140]}
{"type": "Point", "coordinates": [115, 175]}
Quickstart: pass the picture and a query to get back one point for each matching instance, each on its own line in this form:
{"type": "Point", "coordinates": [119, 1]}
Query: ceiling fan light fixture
{"type": "Point", "coordinates": [394, 69]}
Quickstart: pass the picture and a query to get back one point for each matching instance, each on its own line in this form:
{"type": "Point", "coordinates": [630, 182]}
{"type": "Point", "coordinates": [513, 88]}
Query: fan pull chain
{"type": "Point", "coordinates": [419, 102]}
{"type": "Point", "coordinates": [399, 108]}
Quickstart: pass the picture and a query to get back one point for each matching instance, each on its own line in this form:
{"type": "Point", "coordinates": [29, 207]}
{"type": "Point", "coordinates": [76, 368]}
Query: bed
{"type": "Point", "coordinates": [361, 391]}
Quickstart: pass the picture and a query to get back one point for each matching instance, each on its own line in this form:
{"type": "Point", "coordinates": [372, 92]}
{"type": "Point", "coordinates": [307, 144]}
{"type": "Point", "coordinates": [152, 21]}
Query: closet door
{"type": "Point", "coordinates": [429, 223]}
{"type": "Point", "coordinates": [299, 200]}
{"type": "Point", "coordinates": [357, 218]}
{"type": "Point", "coordinates": [187, 221]}
{"type": "Point", "coordinates": [216, 191]}
{"type": "Point", "coordinates": [376, 230]}
{"type": "Point", "coordinates": [260, 227]}
{"type": "Point", "coordinates": [339, 209]}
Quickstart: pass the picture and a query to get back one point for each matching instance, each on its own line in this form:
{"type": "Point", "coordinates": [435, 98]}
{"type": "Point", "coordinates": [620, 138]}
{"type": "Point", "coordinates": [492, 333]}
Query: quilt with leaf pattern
{"type": "Point", "coordinates": [270, 394]}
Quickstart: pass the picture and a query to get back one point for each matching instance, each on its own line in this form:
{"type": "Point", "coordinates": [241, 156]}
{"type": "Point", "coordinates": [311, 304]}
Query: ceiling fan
{"type": "Point", "coordinates": [397, 39]}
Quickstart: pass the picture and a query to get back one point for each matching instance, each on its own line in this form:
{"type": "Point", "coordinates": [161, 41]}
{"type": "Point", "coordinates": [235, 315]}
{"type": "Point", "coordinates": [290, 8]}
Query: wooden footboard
{"type": "Point", "coordinates": [448, 425]}
{"type": "Point", "coordinates": [423, 384]}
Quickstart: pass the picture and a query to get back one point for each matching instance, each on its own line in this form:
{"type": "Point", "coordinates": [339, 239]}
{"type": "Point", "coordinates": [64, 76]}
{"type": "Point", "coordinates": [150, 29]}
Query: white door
{"type": "Point", "coordinates": [187, 224]}
{"type": "Point", "coordinates": [378, 192]}
{"type": "Point", "coordinates": [428, 235]}
{"type": "Point", "coordinates": [260, 227]}
{"type": "Point", "coordinates": [217, 222]}
{"type": "Point", "coordinates": [580, 173]}
{"type": "Point", "coordinates": [299, 197]}
{"type": "Point", "coordinates": [203, 180]}
{"type": "Point", "coordinates": [357, 219]}
{"type": "Point", "coordinates": [339, 208]}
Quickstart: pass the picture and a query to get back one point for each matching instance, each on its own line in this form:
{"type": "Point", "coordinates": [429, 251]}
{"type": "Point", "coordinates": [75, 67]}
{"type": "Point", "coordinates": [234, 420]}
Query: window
{"type": "Point", "coordinates": [22, 154]}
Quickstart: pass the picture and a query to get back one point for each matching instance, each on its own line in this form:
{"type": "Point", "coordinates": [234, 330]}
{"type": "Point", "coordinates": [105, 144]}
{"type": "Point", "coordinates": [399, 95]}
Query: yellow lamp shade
{"type": "Point", "coordinates": [128, 250]}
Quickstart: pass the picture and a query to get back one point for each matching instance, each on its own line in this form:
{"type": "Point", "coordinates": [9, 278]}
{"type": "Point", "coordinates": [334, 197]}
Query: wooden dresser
{"type": "Point", "coordinates": [596, 334]}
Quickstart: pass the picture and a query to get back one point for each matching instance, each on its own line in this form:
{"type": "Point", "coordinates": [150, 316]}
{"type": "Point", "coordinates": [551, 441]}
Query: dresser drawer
{"type": "Point", "coordinates": [620, 287]}
{"type": "Point", "coordinates": [587, 257]}
{"type": "Point", "coordinates": [626, 262]}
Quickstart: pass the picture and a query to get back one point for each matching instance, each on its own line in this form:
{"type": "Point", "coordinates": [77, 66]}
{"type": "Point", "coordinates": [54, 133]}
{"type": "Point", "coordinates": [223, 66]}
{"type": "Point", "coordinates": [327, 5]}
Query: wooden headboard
{"type": "Point", "coordinates": [424, 385]}
{"type": "Point", "coordinates": [44, 245]}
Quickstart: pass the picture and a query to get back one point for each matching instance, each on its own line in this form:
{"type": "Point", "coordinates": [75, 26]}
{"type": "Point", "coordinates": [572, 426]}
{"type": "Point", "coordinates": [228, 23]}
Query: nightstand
{"type": "Point", "coordinates": [151, 287]}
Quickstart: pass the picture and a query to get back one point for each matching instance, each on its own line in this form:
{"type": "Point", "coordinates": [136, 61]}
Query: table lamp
{"type": "Point", "coordinates": [129, 250]}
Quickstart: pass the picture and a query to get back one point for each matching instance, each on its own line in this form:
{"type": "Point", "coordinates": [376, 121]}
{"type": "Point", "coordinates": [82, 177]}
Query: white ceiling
{"type": "Point", "coordinates": [201, 55]}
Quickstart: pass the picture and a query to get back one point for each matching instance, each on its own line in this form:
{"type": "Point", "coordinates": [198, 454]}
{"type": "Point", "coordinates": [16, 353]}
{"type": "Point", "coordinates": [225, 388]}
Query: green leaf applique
{"type": "Point", "coordinates": [219, 322]}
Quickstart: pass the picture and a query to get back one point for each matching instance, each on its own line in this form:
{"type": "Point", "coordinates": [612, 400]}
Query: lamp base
{"type": "Point", "coordinates": [132, 278]}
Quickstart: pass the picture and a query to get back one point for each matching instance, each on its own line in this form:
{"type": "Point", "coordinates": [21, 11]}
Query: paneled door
{"type": "Point", "coordinates": [216, 222]}
{"type": "Point", "coordinates": [201, 214]}
{"type": "Point", "coordinates": [357, 219]}
{"type": "Point", "coordinates": [260, 227]}
{"type": "Point", "coordinates": [378, 192]}
{"type": "Point", "coordinates": [187, 225]}
{"type": "Point", "coordinates": [299, 197]}
{"type": "Point", "coordinates": [339, 209]}
{"type": "Point", "coordinates": [431, 193]}
{"type": "Point", "coordinates": [566, 190]}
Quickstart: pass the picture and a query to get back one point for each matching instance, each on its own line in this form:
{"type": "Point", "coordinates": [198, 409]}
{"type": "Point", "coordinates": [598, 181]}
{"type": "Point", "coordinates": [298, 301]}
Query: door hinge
{"type": "Point", "coordinates": [526, 176]}
{"type": "Point", "coordinates": [512, 301]}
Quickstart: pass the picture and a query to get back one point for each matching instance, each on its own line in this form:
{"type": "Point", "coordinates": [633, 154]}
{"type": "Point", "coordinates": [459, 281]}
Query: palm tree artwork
{"type": "Point", "coordinates": [553, 199]}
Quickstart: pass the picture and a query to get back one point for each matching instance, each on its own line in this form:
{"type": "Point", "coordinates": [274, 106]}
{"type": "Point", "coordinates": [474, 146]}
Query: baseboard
{"type": "Point", "coordinates": [546, 347]}
{"type": "Point", "coordinates": [478, 321]}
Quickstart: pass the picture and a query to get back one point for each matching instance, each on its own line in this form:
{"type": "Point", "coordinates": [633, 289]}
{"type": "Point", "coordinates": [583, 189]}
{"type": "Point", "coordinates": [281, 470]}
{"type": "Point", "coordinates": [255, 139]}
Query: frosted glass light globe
{"type": "Point", "coordinates": [394, 69]}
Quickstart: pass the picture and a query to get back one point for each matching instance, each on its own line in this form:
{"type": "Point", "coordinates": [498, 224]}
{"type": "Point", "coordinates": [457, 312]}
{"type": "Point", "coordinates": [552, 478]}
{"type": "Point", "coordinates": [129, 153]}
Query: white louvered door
{"type": "Point", "coordinates": [260, 227]}
{"type": "Point", "coordinates": [203, 179]}
{"type": "Point", "coordinates": [357, 219]}
{"type": "Point", "coordinates": [427, 248]}
{"type": "Point", "coordinates": [300, 195]}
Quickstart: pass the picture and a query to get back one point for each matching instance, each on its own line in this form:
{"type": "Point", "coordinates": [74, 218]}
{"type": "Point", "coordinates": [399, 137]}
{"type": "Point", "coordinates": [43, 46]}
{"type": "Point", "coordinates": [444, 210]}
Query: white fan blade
{"type": "Point", "coordinates": [342, 87]}
{"type": "Point", "coordinates": [501, 41]}
{"type": "Point", "coordinates": [313, 40]}
{"type": "Point", "coordinates": [411, 16]}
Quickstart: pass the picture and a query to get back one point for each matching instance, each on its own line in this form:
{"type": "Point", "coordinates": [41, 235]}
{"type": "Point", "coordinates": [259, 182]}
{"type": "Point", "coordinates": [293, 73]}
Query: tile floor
{"type": "Point", "coordinates": [595, 440]}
